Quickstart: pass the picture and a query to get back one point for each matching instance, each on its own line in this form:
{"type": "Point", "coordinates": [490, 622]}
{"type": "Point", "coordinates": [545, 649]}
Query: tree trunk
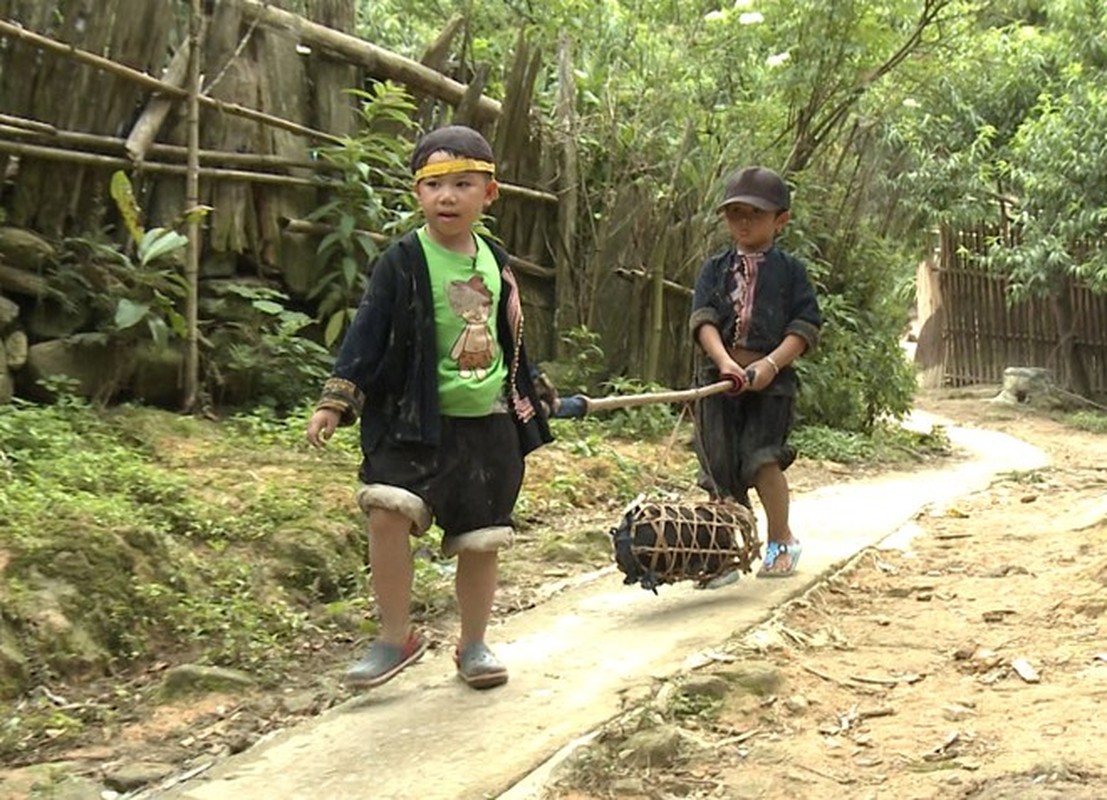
{"type": "Point", "coordinates": [1073, 364]}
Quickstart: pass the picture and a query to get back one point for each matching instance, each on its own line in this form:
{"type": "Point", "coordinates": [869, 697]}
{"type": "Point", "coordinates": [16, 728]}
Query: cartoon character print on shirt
{"type": "Point", "coordinates": [475, 347]}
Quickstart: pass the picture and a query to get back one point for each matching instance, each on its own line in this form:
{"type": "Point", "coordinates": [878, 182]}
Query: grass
{"type": "Point", "coordinates": [1089, 421]}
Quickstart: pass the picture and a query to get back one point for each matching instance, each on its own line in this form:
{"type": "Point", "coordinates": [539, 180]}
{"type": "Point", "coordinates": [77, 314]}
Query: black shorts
{"type": "Point", "coordinates": [736, 435]}
{"type": "Point", "coordinates": [470, 481]}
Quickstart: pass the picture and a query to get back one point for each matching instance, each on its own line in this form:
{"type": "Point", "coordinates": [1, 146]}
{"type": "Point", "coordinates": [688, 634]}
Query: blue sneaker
{"type": "Point", "coordinates": [478, 667]}
{"type": "Point", "coordinates": [382, 662]}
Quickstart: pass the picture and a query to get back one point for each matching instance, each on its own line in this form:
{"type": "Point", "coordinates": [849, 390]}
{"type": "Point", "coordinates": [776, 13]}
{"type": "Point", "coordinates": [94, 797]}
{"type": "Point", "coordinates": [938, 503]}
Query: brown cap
{"type": "Point", "coordinates": [759, 187]}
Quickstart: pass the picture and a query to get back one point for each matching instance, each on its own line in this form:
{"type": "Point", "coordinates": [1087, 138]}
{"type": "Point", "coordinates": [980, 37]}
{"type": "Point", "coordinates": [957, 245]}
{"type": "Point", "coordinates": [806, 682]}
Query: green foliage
{"type": "Point", "coordinates": [371, 196]}
{"type": "Point", "coordinates": [648, 422]}
{"type": "Point", "coordinates": [432, 588]}
{"type": "Point", "coordinates": [884, 444]}
{"type": "Point", "coordinates": [1090, 421]}
{"type": "Point", "coordinates": [580, 369]}
{"type": "Point", "coordinates": [263, 357]}
{"type": "Point", "coordinates": [130, 301]}
{"type": "Point", "coordinates": [230, 610]}
{"type": "Point", "coordinates": [159, 559]}
{"type": "Point", "coordinates": [1016, 117]}
{"type": "Point", "coordinates": [859, 374]}
{"type": "Point", "coordinates": [38, 717]}
{"type": "Point", "coordinates": [702, 707]}
{"type": "Point", "coordinates": [1059, 160]}
{"type": "Point", "coordinates": [806, 87]}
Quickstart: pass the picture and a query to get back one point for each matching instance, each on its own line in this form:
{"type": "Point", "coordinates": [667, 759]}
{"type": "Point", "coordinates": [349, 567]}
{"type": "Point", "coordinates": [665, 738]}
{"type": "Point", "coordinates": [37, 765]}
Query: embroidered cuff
{"type": "Point", "coordinates": [806, 331]}
{"type": "Point", "coordinates": [344, 397]}
{"type": "Point", "coordinates": [700, 317]}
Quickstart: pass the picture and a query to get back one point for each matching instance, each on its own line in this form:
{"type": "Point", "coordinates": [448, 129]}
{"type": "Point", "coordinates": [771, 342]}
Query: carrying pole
{"type": "Point", "coordinates": [675, 396]}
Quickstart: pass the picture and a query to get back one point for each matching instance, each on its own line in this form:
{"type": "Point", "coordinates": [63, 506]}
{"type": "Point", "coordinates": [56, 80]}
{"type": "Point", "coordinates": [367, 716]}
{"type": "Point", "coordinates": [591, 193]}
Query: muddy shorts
{"type": "Point", "coordinates": [736, 435]}
{"type": "Point", "coordinates": [469, 482]}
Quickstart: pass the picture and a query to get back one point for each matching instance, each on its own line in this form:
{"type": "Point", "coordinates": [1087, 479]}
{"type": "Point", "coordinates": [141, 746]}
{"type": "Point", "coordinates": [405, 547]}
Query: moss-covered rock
{"type": "Point", "coordinates": [13, 662]}
{"type": "Point", "coordinates": [322, 566]}
{"type": "Point", "coordinates": [190, 679]}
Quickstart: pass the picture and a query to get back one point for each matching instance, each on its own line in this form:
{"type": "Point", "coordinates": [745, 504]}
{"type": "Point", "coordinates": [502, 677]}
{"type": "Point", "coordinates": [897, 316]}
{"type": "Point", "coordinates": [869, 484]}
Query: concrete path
{"type": "Point", "coordinates": [427, 736]}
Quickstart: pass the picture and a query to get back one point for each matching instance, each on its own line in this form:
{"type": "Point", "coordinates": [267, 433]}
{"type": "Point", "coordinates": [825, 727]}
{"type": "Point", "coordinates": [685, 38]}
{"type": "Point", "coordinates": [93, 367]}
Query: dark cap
{"type": "Point", "coordinates": [457, 140]}
{"type": "Point", "coordinates": [759, 187]}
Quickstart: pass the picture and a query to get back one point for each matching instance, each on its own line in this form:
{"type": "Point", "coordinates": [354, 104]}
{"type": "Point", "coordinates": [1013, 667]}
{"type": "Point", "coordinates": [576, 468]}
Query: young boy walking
{"type": "Point", "coordinates": [433, 365]}
{"type": "Point", "coordinates": [753, 308]}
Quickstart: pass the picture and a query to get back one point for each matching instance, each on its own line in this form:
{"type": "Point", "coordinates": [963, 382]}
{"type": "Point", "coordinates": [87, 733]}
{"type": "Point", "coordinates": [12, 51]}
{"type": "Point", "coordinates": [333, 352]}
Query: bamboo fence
{"type": "Point", "coordinates": [983, 332]}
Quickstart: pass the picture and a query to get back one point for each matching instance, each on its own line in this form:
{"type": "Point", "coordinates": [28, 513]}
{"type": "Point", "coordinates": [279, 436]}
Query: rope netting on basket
{"type": "Point", "coordinates": [665, 542]}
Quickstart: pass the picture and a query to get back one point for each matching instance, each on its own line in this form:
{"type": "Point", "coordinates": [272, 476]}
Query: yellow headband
{"type": "Point", "coordinates": [456, 165]}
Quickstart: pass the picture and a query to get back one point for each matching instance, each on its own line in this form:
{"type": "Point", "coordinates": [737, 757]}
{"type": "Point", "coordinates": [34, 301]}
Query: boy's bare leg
{"type": "Point", "coordinates": [390, 560]}
{"type": "Point", "coordinates": [476, 589]}
{"type": "Point", "coordinates": [772, 489]}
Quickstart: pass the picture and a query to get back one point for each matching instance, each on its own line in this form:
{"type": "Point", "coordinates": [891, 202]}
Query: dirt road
{"type": "Point", "coordinates": [965, 659]}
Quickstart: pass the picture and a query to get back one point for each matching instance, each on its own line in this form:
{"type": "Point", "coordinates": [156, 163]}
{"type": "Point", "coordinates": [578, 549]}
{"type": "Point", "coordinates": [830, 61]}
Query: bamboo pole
{"type": "Point", "coordinates": [640, 274]}
{"type": "Point", "coordinates": [98, 160]}
{"type": "Point", "coordinates": [567, 313]}
{"type": "Point", "coordinates": [667, 396]}
{"type": "Point", "coordinates": [141, 78]}
{"type": "Point", "coordinates": [153, 116]}
{"type": "Point", "coordinates": [321, 229]}
{"type": "Point", "coordinates": [25, 128]}
{"type": "Point", "coordinates": [192, 215]}
{"type": "Point", "coordinates": [529, 194]}
{"type": "Point", "coordinates": [20, 123]}
{"type": "Point", "coordinates": [81, 141]}
{"type": "Point", "coordinates": [380, 62]}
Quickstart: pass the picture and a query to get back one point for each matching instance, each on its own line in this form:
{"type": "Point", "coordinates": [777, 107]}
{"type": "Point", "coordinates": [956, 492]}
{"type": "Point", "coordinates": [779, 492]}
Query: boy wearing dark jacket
{"type": "Point", "coordinates": [433, 365]}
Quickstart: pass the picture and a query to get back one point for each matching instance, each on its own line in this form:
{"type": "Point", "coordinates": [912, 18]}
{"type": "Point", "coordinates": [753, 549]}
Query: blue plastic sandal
{"type": "Point", "coordinates": [382, 662]}
{"type": "Point", "coordinates": [479, 667]}
{"type": "Point", "coordinates": [773, 551]}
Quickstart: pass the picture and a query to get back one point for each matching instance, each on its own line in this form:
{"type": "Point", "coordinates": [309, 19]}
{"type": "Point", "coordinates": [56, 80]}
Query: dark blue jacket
{"type": "Point", "coordinates": [386, 369]}
{"type": "Point", "coordinates": [784, 302]}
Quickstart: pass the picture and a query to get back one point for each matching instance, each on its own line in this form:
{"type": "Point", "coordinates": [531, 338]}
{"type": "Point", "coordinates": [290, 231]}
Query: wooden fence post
{"type": "Point", "coordinates": [192, 202]}
{"type": "Point", "coordinates": [566, 314]}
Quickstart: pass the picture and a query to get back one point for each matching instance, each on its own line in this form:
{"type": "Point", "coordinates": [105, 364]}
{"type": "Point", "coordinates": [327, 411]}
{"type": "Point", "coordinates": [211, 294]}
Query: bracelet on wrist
{"type": "Point", "coordinates": [772, 362]}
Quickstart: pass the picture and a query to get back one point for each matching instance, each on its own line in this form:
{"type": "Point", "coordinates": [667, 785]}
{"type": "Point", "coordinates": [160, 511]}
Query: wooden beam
{"type": "Point", "coordinates": [141, 78]}
{"type": "Point", "coordinates": [144, 131]}
{"type": "Point", "coordinates": [107, 162]}
{"type": "Point", "coordinates": [380, 62]}
{"type": "Point", "coordinates": [21, 128]}
{"type": "Point", "coordinates": [642, 275]}
{"type": "Point", "coordinates": [77, 140]}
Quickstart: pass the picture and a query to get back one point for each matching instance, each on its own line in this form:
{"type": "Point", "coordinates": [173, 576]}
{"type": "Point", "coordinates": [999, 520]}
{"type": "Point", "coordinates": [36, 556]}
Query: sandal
{"type": "Point", "coordinates": [479, 667]}
{"type": "Point", "coordinates": [773, 551]}
{"type": "Point", "coordinates": [382, 662]}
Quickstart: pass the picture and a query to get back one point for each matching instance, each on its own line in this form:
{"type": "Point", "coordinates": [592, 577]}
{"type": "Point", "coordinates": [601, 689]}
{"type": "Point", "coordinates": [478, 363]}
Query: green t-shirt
{"type": "Point", "coordinates": [471, 369]}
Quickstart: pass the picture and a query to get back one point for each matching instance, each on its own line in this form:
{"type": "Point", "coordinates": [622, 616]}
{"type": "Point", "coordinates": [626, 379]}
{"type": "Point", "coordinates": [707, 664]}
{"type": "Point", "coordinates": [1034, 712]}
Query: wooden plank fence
{"type": "Point", "coordinates": [976, 332]}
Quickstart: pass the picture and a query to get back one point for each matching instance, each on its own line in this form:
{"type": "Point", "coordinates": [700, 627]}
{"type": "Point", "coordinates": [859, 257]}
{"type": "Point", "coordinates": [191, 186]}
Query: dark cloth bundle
{"type": "Point", "coordinates": [658, 543]}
